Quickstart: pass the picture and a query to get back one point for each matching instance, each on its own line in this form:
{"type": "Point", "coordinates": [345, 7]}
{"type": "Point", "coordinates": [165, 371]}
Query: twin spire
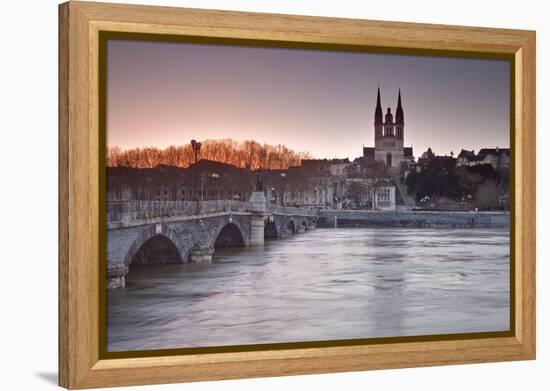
{"type": "Point", "coordinates": [399, 100]}
{"type": "Point", "coordinates": [378, 112]}
{"type": "Point", "coordinates": [399, 116]}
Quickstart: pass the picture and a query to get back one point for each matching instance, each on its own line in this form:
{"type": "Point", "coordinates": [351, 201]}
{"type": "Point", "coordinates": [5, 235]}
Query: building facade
{"type": "Point", "coordinates": [205, 180]}
{"type": "Point", "coordinates": [384, 198]}
{"type": "Point", "coordinates": [497, 157]}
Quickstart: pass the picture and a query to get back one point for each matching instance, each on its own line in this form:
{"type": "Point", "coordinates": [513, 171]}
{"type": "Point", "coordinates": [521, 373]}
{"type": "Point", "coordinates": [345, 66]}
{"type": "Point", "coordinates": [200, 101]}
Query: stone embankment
{"type": "Point", "coordinates": [410, 219]}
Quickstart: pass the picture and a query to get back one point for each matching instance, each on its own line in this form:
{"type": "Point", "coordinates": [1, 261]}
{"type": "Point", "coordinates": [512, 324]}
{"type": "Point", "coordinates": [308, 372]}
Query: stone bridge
{"type": "Point", "coordinates": [178, 232]}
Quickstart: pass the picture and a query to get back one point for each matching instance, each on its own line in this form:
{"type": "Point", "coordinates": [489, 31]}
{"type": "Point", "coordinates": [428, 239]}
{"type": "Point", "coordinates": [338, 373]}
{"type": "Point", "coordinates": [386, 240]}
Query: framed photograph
{"type": "Point", "coordinates": [247, 195]}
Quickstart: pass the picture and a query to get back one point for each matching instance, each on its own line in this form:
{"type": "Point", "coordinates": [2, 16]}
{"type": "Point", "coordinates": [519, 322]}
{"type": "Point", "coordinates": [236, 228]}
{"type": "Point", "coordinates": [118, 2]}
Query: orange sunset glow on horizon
{"type": "Point", "coordinates": [314, 102]}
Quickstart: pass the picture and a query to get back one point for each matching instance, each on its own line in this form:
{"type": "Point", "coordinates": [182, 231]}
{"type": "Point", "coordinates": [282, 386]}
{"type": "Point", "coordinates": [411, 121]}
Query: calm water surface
{"type": "Point", "coordinates": [324, 284]}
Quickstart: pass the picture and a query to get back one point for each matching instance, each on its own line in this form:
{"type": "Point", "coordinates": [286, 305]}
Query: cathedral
{"type": "Point", "coordinates": [388, 137]}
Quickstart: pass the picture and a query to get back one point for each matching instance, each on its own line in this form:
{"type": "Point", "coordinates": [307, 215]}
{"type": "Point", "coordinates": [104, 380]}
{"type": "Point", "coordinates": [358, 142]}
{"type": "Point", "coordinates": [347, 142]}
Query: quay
{"type": "Point", "coordinates": [421, 219]}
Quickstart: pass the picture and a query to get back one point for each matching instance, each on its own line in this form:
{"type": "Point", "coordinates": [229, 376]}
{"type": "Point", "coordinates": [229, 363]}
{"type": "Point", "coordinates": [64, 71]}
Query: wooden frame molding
{"type": "Point", "coordinates": [80, 364]}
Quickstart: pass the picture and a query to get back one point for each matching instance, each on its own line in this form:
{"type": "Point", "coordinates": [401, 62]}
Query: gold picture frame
{"type": "Point", "coordinates": [83, 27]}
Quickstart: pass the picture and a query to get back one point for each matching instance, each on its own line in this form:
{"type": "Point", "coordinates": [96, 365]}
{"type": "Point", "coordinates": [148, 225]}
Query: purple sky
{"type": "Point", "coordinates": [162, 94]}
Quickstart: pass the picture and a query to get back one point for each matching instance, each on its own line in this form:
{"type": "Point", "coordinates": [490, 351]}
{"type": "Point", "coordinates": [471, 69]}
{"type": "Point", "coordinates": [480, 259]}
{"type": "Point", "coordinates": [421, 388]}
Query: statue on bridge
{"type": "Point", "coordinates": [259, 183]}
{"type": "Point", "coordinates": [257, 198]}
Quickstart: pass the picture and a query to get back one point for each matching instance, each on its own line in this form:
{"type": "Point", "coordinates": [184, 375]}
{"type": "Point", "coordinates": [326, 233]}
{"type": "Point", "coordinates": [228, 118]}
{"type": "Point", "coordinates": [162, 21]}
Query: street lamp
{"type": "Point", "coordinates": [196, 149]}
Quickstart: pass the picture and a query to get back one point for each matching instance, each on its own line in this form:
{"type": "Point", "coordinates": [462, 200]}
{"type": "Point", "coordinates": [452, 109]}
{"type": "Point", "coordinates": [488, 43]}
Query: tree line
{"type": "Point", "coordinates": [247, 154]}
{"type": "Point", "coordinates": [479, 185]}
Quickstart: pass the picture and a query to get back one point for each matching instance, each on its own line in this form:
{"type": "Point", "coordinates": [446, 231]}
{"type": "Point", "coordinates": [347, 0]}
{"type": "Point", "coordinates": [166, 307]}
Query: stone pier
{"type": "Point", "coordinates": [257, 230]}
{"type": "Point", "coordinates": [201, 253]}
{"type": "Point", "coordinates": [285, 232]}
{"type": "Point", "coordinates": [116, 277]}
{"type": "Point", "coordinates": [257, 221]}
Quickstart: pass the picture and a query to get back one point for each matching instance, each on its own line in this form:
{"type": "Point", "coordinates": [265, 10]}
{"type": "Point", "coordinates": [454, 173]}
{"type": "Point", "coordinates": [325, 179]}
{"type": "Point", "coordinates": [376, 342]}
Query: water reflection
{"type": "Point", "coordinates": [325, 284]}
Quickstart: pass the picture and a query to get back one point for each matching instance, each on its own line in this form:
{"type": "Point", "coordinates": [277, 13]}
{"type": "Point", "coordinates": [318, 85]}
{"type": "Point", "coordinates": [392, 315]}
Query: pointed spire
{"type": "Point", "coordinates": [399, 99]}
{"type": "Point", "coordinates": [399, 117]}
{"type": "Point", "coordinates": [378, 117]}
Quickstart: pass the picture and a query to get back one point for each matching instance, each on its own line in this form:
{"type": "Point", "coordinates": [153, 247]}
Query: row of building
{"type": "Point", "coordinates": [315, 184]}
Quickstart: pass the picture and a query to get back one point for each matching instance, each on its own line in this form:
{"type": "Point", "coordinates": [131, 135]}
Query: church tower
{"type": "Point", "coordinates": [389, 134]}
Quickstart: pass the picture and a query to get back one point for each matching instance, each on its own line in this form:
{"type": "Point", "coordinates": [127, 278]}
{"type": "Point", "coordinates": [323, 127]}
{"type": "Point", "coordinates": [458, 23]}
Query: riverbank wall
{"type": "Point", "coordinates": [412, 219]}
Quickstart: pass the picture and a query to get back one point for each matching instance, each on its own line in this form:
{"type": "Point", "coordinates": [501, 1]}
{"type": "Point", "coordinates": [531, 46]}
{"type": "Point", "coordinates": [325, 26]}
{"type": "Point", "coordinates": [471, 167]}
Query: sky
{"type": "Point", "coordinates": [321, 102]}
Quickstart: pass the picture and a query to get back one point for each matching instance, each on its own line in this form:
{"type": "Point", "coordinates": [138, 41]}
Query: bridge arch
{"type": "Point", "coordinates": [228, 235]}
{"type": "Point", "coordinates": [155, 245]}
{"type": "Point", "coordinates": [270, 230]}
{"type": "Point", "coordinates": [291, 226]}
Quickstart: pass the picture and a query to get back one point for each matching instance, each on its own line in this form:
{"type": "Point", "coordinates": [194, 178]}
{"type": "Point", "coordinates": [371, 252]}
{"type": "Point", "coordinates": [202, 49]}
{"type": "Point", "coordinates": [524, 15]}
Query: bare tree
{"type": "Point", "coordinates": [246, 154]}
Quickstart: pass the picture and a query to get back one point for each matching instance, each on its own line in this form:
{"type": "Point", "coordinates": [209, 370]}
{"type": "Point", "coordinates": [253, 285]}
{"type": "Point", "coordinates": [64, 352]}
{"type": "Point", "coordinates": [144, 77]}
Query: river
{"type": "Point", "coordinates": [324, 284]}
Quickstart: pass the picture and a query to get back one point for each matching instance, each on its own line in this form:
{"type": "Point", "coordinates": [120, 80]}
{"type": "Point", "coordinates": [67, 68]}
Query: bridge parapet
{"type": "Point", "coordinates": [130, 211]}
{"type": "Point", "coordinates": [290, 210]}
{"type": "Point", "coordinates": [126, 211]}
